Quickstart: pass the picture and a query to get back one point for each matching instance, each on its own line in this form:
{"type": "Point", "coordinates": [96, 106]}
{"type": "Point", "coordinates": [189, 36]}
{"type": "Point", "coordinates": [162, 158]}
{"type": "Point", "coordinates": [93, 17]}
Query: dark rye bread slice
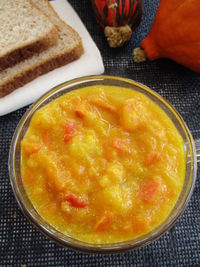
{"type": "Point", "coordinates": [68, 49]}
{"type": "Point", "coordinates": [24, 31]}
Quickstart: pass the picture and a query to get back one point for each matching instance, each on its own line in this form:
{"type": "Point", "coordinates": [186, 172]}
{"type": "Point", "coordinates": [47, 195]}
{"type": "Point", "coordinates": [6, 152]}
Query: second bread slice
{"type": "Point", "coordinates": [68, 48]}
{"type": "Point", "coordinates": [24, 30]}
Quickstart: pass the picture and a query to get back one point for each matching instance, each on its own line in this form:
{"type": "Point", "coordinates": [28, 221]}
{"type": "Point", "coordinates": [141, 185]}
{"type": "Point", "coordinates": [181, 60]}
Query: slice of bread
{"type": "Point", "coordinates": [68, 48]}
{"type": "Point", "coordinates": [24, 30]}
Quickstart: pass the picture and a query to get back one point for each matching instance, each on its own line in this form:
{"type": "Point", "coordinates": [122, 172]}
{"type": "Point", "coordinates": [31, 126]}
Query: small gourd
{"type": "Point", "coordinates": [118, 18]}
{"type": "Point", "coordinates": [175, 34]}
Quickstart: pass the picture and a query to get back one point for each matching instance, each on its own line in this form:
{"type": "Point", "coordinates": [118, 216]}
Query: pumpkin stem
{"type": "Point", "coordinates": [117, 36]}
{"type": "Point", "coordinates": [139, 55]}
{"type": "Point", "coordinates": [151, 48]}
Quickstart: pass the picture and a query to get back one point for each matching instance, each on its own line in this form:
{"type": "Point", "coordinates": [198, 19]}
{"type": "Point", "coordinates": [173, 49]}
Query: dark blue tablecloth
{"type": "Point", "coordinates": [21, 243]}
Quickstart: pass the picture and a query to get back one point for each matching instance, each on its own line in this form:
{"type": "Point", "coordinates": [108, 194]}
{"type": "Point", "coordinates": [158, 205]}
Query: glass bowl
{"type": "Point", "coordinates": [67, 241]}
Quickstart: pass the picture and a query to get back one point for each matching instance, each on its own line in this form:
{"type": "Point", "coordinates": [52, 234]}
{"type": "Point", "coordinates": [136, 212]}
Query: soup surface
{"type": "Point", "coordinates": [103, 164]}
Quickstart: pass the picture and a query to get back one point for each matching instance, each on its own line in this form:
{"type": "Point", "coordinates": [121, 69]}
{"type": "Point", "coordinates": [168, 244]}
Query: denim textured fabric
{"type": "Point", "coordinates": [22, 244]}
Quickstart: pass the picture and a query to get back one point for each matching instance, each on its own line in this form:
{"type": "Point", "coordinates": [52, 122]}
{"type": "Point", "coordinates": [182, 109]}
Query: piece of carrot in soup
{"type": "Point", "coordinates": [76, 201]}
{"type": "Point", "coordinates": [70, 130]}
{"type": "Point", "coordinates": [152, 158]}
{"type": "Point", "coordinates": [30, 147]}
{"type": "Point", "coordinates": [122, 145]}
{"type": "Point", "coordinates": [103, 222]}
{"type": "Point", "coordinates": [102, 103]}
{"type": "Point", "coordinates": [148, 191]}
{"type": "Point", "coordinates": [46, 139]}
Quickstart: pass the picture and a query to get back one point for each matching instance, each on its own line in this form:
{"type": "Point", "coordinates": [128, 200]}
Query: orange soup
{"type": "Point", "coordinates": [103, 164]}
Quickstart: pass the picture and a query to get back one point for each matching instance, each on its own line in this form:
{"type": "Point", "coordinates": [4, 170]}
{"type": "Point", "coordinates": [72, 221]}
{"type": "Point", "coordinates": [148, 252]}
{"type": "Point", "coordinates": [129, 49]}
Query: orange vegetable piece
{"type": "Point", "coordinates": [173, 36]}
{"type": "Point", "coordinates": [148, 191]}
{"type": "Point", "coordinates": [30, 147]}
{"type": "Point", "coordinates": [122, 145]}
{"type": "Point", "coordinates": [70, 130]}
{"type": "Point", "coordinates": [152, 158]}
{"type": "Point", "coordinates": [104, 222]}
{"type": "Point", "coordinates": [76, 201]}
{"type": "Point", "coordinates": [46, 139]}
{"type": "Point", "coordinates": [67, 138]}
{"type": "Point", "coordinates": [101, 103]}
{"type": "Point", "coordinates": [82, 110]}
{"type": "Point", "coordinates": [80, 114]}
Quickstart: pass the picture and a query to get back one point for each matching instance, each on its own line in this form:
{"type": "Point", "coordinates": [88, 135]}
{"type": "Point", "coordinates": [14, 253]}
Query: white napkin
{"type": "Point", "coordinates": [89, 64]}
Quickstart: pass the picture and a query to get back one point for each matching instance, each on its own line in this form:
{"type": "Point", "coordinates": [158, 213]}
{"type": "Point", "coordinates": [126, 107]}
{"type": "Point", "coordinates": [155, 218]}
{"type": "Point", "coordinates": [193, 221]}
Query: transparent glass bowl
{"type": "Point", "coordinates": [67, 241]}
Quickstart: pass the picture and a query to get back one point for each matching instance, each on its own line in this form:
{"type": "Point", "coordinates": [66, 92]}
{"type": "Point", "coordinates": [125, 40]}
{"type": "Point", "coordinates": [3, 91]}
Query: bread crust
{"type": "Point", "coordinates": [61, 20]}
{"type": "Point", "coordinates": [22, 53]}
{"type": "Point", "coordinates": [43, 66]}
{"type": "Point", "coordinates": [29, 75]}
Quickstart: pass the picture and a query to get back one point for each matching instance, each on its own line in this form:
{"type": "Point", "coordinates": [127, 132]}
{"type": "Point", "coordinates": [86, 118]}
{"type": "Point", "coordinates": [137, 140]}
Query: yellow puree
{"type": "Point", "coordinates": [103, 164]}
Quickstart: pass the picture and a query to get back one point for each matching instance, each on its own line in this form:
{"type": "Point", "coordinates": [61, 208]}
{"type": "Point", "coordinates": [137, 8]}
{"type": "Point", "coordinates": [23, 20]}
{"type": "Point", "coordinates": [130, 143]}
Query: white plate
{"type": "Point", "coordinates": [89, 64]}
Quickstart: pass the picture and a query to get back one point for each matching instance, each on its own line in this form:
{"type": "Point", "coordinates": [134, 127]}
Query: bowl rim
{"type": "Point", "coordinates": [75, 243]}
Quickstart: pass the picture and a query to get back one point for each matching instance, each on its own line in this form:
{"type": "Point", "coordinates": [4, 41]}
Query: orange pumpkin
{"type": "Point", "coordinates": [175, 33]}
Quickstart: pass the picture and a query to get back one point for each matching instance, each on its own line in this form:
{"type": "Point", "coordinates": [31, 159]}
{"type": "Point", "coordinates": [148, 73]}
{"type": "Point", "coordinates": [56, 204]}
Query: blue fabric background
{"type": "Point", "coordinates": [21, 243]}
